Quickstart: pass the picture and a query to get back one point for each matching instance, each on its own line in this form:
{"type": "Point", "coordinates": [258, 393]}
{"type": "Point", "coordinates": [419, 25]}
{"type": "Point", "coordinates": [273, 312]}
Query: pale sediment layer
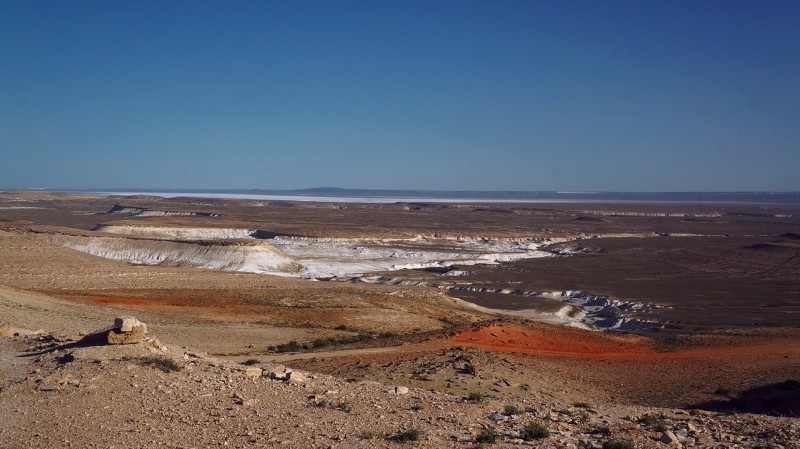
{"type": "Point", "coordinates": [297, 257]}
{"type": "Point", "coordinates": [254, 257]}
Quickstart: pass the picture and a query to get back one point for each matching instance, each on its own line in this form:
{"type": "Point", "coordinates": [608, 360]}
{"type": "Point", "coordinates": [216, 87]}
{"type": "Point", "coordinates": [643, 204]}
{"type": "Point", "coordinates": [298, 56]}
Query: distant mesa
{"type": "Point", "coordinates": [145, 212]}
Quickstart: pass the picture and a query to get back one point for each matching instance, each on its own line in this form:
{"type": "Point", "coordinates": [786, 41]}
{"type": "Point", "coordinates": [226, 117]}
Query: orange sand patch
{"type": "Point", "coordinates": [551, 340]}
{"type": "Point", "coordinates": [548, 340]}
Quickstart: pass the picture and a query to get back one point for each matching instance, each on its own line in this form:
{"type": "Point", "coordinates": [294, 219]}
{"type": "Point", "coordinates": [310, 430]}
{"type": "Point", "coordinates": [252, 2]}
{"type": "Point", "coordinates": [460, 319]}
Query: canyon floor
{"type": "Point", "coordinates": [485, 330]}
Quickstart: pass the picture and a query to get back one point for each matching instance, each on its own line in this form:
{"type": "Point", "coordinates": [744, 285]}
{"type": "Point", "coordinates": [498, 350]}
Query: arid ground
{"type": "Point", "coordinates": [684, 311]}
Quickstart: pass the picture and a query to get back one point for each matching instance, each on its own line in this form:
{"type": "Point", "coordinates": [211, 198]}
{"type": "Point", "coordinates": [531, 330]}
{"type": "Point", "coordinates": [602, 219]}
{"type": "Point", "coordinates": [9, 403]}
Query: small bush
{"type": "Point", "coordinates": [412, 434]}
{"type": "Point", "coordinates": [251, 362]}
{"type": "Point", "coordinates": [341, 327]}
{"type": "Point", "coordinates": [511, 410]}
{"type": "Point", "coordinates": [654, 422]}
{"type": "Point", "coordinates": [369, 435]}
{"type": "Point", "coordinates": [487, 436]}
{"type": "Point", "coordinates": [165, 364]}
{"type": "Point", "coordinates": [582, 405]}
{"type": "Point", "coordinates": [476, 396]}
{"type": "Point", "coordinates": [292, 346]}
{"type": "Point", "coordinates": [343, 406]}
{"type": "Point", "coordinates": [417, 407]}
{"type": "Point", "coordinates": [565, 412]}
{"type": "Point", "coordinates": [534, 431]}
{"type": "Point", "coordinates": [322, 403]}
{"type": "Point", "coordinates": [619, 444]}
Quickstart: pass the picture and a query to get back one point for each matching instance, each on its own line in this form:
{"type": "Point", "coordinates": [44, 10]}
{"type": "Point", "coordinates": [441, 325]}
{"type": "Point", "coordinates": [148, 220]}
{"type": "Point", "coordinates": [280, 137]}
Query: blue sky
{"type": "Point", "coordinates": [453, 95]}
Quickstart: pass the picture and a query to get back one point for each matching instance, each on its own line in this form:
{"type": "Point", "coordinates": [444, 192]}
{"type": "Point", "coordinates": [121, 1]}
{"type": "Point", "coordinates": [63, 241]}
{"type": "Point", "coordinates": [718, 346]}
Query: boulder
{"type": "Point", "coordinates": [277, 372]}
{"type": "Point", "coordinates": [127, 323]}
{"type": "Point", "coordinates": [295, 377]}
{"type": "Point", "coordinates": [401, 390]}
{"type": "Point", "coordinates": [253, 372]}
{"type": "Point", "coordinates": [117, 337]}
{"type": "Point", "coordinates": [669, 438]}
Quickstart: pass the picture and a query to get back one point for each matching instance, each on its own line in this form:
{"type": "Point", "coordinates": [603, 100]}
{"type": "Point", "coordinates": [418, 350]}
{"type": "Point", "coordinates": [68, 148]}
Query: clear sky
{"type": "Point", "coordinates": [397, 94]}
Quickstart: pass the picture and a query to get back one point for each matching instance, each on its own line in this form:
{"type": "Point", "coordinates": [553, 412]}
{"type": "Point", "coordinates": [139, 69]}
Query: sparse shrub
{"type": "Point", "coordinates": [343, 406]}
{"type": "Point", "coordinates": [565, 412]}
{"type": "Point", "coordinates": [511, 410]}
{"type": "Point", "coordinates": [251, 362]}
{"type": "Point", "coordinates": [341, 327]}
{"type": "Point", "coordinates": [470, 369]}
{"type": "Point", "coordinates": [370, 434]}
{"type": "Point", "coordinates": [322, 403]}
{"type": "Point", "coordinates": [723, 391]}
{"type": "Point", "coordinates": [292, 346]}
{"type": "Point", "coordinates": [583, 418]}
{"type": "Point", "coordinates": [534, 431]}
{"type": "Point", "coordinates": [487, 436]}
{"type": "Point", "coordinates": [417, 406]}
{"type": "Point", "coordinates": [654, 422]}
{"type": "Point", "coordinates": [412, 434]}
{"type": "Point", "coordinates": [476, 396]}
{"type": "Point", "coordinates": [582, 405]}
{"type": "Point", "coordinates": [618, 444]}
{"type": "Point", "coordinates": [165, 364]}
{"type": "Point", "coordinates": [448, 321]}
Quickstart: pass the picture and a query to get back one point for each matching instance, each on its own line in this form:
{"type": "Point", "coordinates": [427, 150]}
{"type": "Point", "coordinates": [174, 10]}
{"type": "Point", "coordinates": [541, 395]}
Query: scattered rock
{"type": "Point", "coordinates": [296, 377]}
{"type": "Point", "coordinates": [253, 372]}
{"type": "Point", "coordinates": [669, 438]}
{"type": "Point", "coordinates": [277, 372]}
{"type": "Point", "coordinates": [401, 390]}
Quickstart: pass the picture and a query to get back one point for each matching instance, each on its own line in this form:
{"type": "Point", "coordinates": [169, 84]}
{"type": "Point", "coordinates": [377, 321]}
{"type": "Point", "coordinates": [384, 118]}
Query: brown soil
{"type": "Point", "coordinates": [738, 295]}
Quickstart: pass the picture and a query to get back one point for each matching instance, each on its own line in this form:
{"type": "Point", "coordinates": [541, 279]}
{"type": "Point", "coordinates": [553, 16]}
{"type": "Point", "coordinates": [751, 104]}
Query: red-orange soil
{"type": "Point", "coordinates": [535, 339]}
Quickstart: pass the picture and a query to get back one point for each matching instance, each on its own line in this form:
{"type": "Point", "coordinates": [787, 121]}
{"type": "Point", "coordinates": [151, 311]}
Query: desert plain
{"type": "Point", "coordinates": [618, 324]}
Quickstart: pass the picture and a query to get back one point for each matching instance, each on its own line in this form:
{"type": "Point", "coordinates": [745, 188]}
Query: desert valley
{"type": "Point", "coordinates": [277, 323]}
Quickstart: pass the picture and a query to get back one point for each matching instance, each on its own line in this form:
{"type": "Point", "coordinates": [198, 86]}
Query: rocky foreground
{"type": "Point", "coordinates": [58, 392]}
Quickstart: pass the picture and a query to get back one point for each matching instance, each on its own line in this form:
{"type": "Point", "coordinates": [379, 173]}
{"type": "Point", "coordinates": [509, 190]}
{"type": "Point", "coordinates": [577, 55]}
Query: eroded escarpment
{"type": "Point", "coordinates": [255, 257]}
{"type": "Point", "coordinates": [184, 233]}
{"type": "Point", "coordinates": [240, 249]}
{"type": "Point", "coordinates": [260, 251]}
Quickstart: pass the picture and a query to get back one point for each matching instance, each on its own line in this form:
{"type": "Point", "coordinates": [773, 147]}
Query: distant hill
{"type": "Point", "coordinates": [511, 195]}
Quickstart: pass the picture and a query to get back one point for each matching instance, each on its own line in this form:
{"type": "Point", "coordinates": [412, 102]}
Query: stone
{"type": "Point", "coordinates": [117, 337]}
{"type": "Point", "coordinates": [253, 372]}
{"type": "Point", "coordinates": [277, 372]}
{"type": "Point", "coordinates": [401, 390]}
{"type": "Point", "coordinates": [295, 377]}
{"type": "Point", "coordinates": [127, 323]}
{"type": "Point", "coordinates": [669, 438]}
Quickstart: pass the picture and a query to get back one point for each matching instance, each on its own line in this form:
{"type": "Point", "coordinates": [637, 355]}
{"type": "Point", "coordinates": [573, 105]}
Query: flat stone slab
{"type": "Point", "coordinates": [118, 337]}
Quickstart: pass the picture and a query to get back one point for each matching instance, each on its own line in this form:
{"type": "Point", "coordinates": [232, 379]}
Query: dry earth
{"type": "Point", "coordinates": [587, 388]}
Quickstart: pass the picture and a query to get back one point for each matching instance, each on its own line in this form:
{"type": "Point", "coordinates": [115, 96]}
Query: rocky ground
{"type": "Point", "coordinates": [153, 395]}
{"type": "Point", "coordinates": [402, 365]}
